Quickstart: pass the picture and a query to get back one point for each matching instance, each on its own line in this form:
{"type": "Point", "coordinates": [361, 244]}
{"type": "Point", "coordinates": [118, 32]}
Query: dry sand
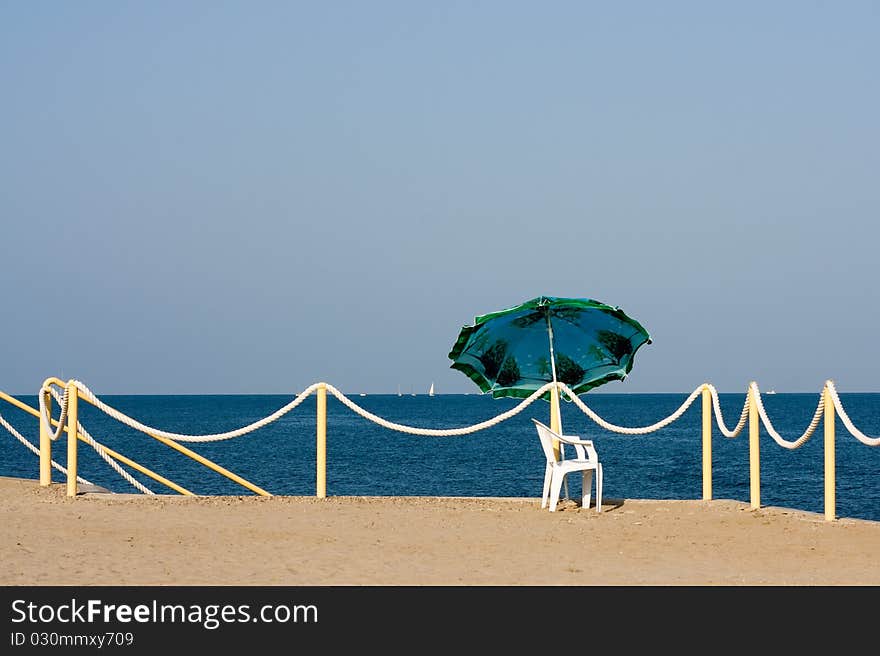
{"type": "Point", "coordinates": [114, 539]}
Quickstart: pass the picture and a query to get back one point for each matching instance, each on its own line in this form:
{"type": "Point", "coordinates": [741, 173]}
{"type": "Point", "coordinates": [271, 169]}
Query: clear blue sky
{"type": "Point", "coordinates": [249, 197]}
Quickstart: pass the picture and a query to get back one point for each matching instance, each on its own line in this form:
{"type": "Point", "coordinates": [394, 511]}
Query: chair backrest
{"type": "Point", "coordinates": [546, 436]}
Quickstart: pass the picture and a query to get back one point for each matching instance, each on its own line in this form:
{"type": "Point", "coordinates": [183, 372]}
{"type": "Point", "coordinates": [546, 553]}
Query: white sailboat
{"type": "Point", "coordinates": [431, 390]}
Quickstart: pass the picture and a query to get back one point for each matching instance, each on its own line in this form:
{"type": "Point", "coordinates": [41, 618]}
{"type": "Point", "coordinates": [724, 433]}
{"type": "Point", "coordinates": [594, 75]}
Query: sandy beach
{"type": "Point", "coordinates": [120, 539]}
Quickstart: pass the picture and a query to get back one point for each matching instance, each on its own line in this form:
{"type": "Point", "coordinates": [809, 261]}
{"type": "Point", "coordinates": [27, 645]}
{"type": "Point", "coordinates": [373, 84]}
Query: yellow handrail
{"type": "Point", "coordinates": [177, 447]}
{"type": "Point", "coordinates": [182, 449]}
{"type": "Point", "coordinates": [19, 404]}
{"type": "Point", "coordinates": [204, 461]}
{"type": "Point", "coordinates": [144, 470]}
{"type": "Point", "coordinates": [110, 452]}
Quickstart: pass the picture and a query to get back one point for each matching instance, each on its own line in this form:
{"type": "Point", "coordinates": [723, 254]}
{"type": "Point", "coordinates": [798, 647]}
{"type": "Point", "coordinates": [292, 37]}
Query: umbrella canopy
{"type": "Point", "coordinates": [577, 341]}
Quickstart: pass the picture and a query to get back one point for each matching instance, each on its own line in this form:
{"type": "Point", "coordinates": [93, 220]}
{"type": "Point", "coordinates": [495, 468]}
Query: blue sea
{"type": "Point", "coordinates": [505, 460]}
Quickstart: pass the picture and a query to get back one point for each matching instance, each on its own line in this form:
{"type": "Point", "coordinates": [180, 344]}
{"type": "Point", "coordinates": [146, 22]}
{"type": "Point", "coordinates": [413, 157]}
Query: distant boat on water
{"type": "Point", "coordinates": [773, 391]}
{"type": "Point", "coordinates": [431, 390]}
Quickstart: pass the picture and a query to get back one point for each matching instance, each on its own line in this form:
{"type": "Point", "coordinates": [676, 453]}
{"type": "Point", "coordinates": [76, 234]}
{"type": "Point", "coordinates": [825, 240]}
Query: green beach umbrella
{"type": "Point", "coordinates": [577, 341]}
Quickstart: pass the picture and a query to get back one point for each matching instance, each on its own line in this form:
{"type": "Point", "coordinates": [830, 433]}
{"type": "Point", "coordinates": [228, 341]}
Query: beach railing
{"type": "Point", "coordinates": [68, 422]}
{"type": "Point", "coordinates": [753, 413]}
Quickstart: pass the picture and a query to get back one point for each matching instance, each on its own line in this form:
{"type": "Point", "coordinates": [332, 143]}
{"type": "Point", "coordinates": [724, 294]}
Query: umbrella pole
{"type": "Point", "coordinates": [555, 414]}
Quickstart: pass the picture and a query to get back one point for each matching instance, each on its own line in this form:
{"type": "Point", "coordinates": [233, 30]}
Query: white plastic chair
{"type": "Point", "coordinates": [587, 461]}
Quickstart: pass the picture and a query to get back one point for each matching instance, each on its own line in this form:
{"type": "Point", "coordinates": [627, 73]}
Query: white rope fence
{"type": "Point", "coordinates": [716, 405]}
{"type": "Point", "coordinates": [439, 432]}
{"type": "Point", "coordinates": [465, 430]}
{"type": "Point", "coordinates": [630, 431]}
{"type": "Point", "coordinates": [179, 437]}
{"type": "Point", "coordinates": [412, 430]}
{"type": "Point", "coordinates": [859, 435]}
{"type": "Point", "coordinates": [765, 420]}
{"type": "Point", "coordinates": [99, 449]}
{"type": "Point", "coordinates": [753, 391]}
{"type": "Point", "coordinates": [794, 444]}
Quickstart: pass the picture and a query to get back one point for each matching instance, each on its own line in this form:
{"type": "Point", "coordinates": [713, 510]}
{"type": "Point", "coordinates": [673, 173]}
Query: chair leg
{"type": "Point", "coordinates": [548, 474]}
{"type": "Point", "coordinates": [599, 487]}
{"type": "Point", "coordinates": [555, 486]}
{"type": "Point", "coordinates": [587, 487]}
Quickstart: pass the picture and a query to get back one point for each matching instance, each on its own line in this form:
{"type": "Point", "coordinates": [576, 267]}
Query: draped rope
{"type": "Point", "coordinates": [439, 432]}
{"type": "Point", "coordinates": [788, 444]}
{"type": "Point", "coordinates": [179, 437]}
{"type": "Point", "coordinates": [44, 414]}
{"type": "Point", "coordinates": [36, 451]}
{"type": "Point", "coordinates": [859, 435]}
{"type": "Point", "coordinates": [630, 431]}
{"type": "Point", "coordinates": [716, 405]}
{"type": "Point", "coordinates": [99, 449]}
{"type": "Point", "coordinates": [414, 430]}
{"type": "Point", "coordinates": [817, 417]}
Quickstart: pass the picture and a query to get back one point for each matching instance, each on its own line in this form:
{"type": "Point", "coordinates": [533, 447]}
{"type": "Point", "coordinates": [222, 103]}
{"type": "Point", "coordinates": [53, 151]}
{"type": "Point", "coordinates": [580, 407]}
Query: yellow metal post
{"type": "Point", "coordinates": [754, 452]}
{"type": "Point", "coordinates": [707, 443]}
{"type": "Point", "coordinates": [321, 452]}
{"type": "Point", "coordinates": [72, 429]}
{"type": "Point", "coordinates": [45, 442]}
{"type": "Point", "coordinates": [555, 419]}
{"type": "Point", "coordinates": [830, 484]}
